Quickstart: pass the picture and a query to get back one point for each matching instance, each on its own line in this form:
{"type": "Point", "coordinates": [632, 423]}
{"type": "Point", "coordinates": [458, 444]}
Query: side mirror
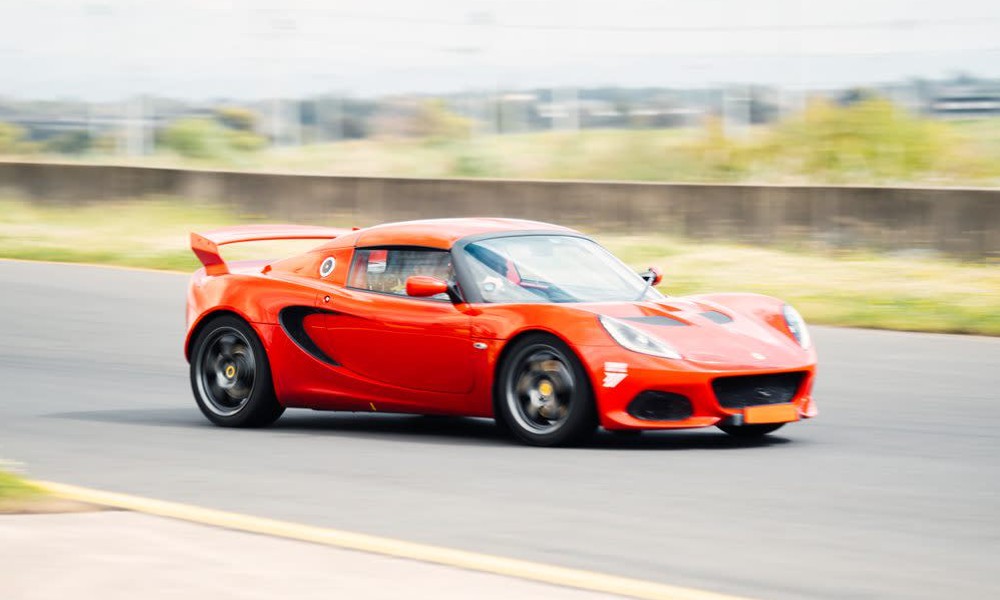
{"type": "Point", "coordinates": [653, 276]}
{"type": "Point", "coordinates": [423, 286]}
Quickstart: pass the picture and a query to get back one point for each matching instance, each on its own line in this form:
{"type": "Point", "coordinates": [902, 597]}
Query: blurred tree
{"type": "Point", "coordinates": [194, 138]}
{"type": "Point", "coordinates": [245, 141]}
{"type": "Point", "coordinates": [105, 144]}
{"type": "Point", "coordinates": [205, 138]}
{"type": "Point", "coordinates": [12, 139]}
{"type": "Point", "coordinates": [873, 140]}
{"type": "Point", "coordinates": [434, 122]}
{"type": "Point", "coordinates": [721, 157]}
{"type": "Point", "coordinates": [238, 118]}
{"type": "Point", "coordinates": [70, 142]}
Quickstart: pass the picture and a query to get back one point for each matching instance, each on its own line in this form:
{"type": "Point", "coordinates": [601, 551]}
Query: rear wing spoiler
{"type": "Point", "coordinates": [206, 245]}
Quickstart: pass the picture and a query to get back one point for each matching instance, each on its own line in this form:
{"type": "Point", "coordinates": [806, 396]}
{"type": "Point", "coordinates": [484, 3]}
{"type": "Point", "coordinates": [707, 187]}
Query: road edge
{"type": "Point", "coordinates": [472, 561]}
{"type": "Point", "coordinates": [92, 265]}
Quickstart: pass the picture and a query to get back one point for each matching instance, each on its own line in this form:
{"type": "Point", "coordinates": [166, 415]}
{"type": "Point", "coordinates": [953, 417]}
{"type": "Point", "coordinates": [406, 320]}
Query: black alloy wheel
{"type": "Point", "coordinates": [230, 375]}
{"type": "Point", "coordinates": [542, 393]}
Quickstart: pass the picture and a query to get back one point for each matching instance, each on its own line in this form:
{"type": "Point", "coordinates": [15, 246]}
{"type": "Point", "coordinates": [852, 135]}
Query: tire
{"type": "Point", "coordinates": [542, 394]}
{"type": "Point", "coordinates": [231, 376]}
{"type": "Point", "coordinates": [750, 432]}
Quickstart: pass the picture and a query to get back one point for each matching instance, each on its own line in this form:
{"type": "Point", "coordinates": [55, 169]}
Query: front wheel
{"type": "Point", "coordinates": [231, 377]}
{"type": "Point", "coordinates": [749, 432]}
{"type": "Point", "coordinates": [542, 394]}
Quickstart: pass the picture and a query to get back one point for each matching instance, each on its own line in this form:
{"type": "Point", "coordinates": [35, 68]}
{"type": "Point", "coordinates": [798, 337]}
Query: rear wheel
{"type": "Point", "coordinates": [542, 393]}
{"type": "Point", "coordinates": [231, 377]}
{"type": "Point", "coordinates": [748, 432]}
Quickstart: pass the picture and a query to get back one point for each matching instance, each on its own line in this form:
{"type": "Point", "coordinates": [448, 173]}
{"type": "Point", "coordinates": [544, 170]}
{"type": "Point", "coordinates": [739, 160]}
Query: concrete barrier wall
{"type": "Point", "coordinates": [963, 222]}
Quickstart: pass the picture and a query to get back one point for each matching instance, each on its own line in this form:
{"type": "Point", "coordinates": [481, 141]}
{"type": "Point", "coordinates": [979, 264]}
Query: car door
{"type": "Point", "coordinates": [379, 333]}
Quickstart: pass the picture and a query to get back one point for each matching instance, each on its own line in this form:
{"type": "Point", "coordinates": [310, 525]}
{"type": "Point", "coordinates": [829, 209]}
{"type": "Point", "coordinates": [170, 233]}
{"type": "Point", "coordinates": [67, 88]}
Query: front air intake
{"type": "Point", "coordinates": [756, 390]}
{"type": "Point", "coordinates": [660, 406]}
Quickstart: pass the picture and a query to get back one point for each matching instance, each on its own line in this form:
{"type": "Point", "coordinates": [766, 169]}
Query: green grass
{"type": "Point", "coordinates": [921, 293]}
{"type": "Point", "coordinates": [855, 289]}
{"type": "Point", "coordinates": [149, 233]}
{"type": "Point", "coordinates": [14, 488]}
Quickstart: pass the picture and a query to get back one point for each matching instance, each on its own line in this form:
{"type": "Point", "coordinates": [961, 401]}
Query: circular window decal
{"type": "Point", "coordinates": [327, 267]}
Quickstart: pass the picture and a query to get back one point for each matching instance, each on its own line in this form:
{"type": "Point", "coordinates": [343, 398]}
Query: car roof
{"type": "Point", "coordinates": [437, 233]}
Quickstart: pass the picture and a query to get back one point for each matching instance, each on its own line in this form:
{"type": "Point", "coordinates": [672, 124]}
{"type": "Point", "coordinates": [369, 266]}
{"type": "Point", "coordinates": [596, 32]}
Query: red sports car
{"type": "Point", "coordinates": [534, 325]}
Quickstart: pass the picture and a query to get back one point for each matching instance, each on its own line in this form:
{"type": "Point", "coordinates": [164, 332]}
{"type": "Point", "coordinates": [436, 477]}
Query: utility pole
{"type": "Point", "coordinates": [337, 116]}
{"type": "Point", "coordinates": [279, 29]}
{"type": "Point", "coordinates": [735, 110]}
{"type": "Point", "coordinates": [483, 23]}
{"type": "Point", "coordinates": [568, 118]}
{"type": "Point", "coordinates": [276, 132]}
{"type": "Point", "coordinates": [135, 144]}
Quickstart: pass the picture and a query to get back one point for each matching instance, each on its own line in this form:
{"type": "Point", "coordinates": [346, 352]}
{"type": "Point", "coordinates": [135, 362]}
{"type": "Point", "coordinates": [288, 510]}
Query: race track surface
{"type": "Point", "coordinates": [893, 492]}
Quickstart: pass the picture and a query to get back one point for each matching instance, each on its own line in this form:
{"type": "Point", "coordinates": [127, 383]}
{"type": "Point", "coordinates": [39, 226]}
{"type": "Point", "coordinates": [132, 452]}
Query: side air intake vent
{"type": "Point", "coordinates": [660, 406]}
{"type": "Point", "coordinates": [291, 319]}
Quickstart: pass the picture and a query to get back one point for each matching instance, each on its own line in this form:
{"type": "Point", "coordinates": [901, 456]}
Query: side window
{"type": "Point", "coordinates": [386, 270]}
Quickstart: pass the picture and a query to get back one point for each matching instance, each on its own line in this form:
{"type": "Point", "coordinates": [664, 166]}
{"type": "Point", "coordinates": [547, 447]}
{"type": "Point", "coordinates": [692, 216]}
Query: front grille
{"type": "Point", "coordinates": [756, 390]}
{"type": "Point", "coordinates": [660, 406]}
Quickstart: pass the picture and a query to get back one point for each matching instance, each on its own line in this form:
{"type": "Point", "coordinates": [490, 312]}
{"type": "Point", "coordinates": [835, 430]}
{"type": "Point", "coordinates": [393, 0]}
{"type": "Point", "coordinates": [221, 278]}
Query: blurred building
{"type": "Point", "coordinates": [135, 126]}
{"type": "Point", "coordinates": [967, 99]}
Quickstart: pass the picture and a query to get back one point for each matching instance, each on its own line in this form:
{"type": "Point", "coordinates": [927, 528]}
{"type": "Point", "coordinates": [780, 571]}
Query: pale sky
{"type": "Point", "coordinates": [105, 49]}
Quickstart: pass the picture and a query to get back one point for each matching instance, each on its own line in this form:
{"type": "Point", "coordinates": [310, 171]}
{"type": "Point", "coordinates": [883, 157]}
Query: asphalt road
{"type": "Point", "coordinates": [893, 492]}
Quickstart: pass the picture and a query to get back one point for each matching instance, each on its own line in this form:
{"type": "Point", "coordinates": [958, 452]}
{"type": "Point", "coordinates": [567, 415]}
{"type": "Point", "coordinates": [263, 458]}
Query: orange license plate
{"type": "Point", "coordinates": [772, 413]}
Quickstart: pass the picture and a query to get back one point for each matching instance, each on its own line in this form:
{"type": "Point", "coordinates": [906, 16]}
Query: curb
{"type": "Point", "coordinates": [473, 561]}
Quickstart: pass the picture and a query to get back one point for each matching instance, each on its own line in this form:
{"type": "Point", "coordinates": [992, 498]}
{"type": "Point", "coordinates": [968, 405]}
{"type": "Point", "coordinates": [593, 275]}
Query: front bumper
{"type": "Point", "coordinates": [620, 377]}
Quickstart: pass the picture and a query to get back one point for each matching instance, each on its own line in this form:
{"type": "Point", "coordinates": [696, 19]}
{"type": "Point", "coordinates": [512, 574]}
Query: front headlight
{"type": "Point", "coordinates": [797, 325]}
{"type": "Point", "coordinates": [637, 340]}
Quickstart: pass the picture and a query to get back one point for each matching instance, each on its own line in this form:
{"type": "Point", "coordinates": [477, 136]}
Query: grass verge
{"type": "Point", "coordinates": [13, 487]}
{"type": "Point", "coordinates": [20, 496]}
{"type": "Point", "coordinates": [855, 289]}
{"type": "Point", "coordinates": [915, 293]}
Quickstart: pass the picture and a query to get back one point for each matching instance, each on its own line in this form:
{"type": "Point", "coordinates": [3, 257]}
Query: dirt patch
{"type": "Point", "coordinates": [45, 505]}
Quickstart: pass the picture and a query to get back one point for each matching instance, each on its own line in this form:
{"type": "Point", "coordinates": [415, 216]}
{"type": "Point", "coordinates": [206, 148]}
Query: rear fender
{"type": "Point", "coordinates": [254, 298]}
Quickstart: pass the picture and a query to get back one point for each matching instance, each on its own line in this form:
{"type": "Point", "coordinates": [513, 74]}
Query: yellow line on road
{"type": "Point", "coordinates": [474, 561]}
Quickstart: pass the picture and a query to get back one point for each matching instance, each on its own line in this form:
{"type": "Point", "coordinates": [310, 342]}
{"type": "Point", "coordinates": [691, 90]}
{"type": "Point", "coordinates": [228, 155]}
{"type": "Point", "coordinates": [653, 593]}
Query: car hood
{"type": "Point", "coordinates": [709, 333]}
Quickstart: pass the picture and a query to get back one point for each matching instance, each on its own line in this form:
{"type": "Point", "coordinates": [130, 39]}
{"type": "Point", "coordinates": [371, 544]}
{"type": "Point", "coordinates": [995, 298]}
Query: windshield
{"type": "Point", "coordinates": [550, 268]}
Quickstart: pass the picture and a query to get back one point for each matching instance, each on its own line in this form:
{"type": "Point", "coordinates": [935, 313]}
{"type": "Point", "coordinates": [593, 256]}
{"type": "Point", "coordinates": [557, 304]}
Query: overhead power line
{"type": "Point", "coordinates": [878, 25]}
